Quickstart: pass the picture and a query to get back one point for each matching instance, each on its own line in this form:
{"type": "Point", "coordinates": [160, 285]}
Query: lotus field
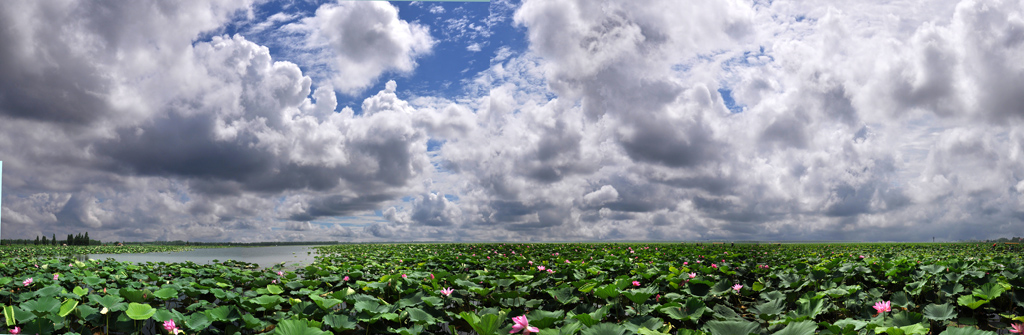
{"type": "Point", "coordinates": [568, 288]}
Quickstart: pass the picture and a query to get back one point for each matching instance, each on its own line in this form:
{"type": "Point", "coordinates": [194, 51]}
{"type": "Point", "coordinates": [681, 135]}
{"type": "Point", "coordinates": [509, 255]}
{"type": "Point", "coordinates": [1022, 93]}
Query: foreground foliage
{"type": "Point", "coordinates": [560, 288]}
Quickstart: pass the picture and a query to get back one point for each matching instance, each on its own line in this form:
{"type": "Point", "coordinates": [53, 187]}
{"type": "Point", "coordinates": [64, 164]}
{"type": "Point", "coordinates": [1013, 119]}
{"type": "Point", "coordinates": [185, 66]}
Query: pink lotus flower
{"type": "Point", "coordinates": [567, 261]}
{"type": "Point", "coordinates": [714, 266]}
{"type": "Point", "coordinates": [522, 324]}
{"type": "Point", "coordinates": [171, 328]}
{"type": "Point", "coordinates": [540, 268]}
{"type": "Point", "coordinates": [1017, 328]}
{"type": "Point", "coordinates": [862, 256]}
{"type": "Point", "coordinates": [280, 273]}
{"type": "Point", "coordinates": [16, 330]}
{"type": "Point", "coordinates": [693, 275]}
{"type": "Point", "coordinates": [686, 263]}
{"type": "Point", "coordinates": [27, 282]}
{"type": "Point", "coordinates": [737, 287]}
{"type": "Point", "coordinates": [55, 276]}
{"type": "Point", "coordinates": [273, 281]}
{"type": "Point", "coordinates": [345, 279]}
{"type": "Point", "coordinates": [431, 276]}
{"type": "Point", "coordinates": [883, 306]}
{"type": "Point", "coordinates": [447, 291]}
{"type": "Point", "coordinates": [636, 283]}
{"type": "Point", "coordinates": [530, 262]}
{"type": "Point", "coordinates": [403, 275]}
{"type": "Point", "coordinates": [551, 271]}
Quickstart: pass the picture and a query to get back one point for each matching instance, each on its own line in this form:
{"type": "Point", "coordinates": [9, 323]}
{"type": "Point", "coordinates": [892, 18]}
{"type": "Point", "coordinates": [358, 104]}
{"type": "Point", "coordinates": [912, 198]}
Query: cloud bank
{"type": "Point", "coordinates": [617, 121]}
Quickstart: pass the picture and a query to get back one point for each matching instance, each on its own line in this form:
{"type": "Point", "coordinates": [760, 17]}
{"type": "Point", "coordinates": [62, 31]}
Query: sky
{"type": "Point", "coordinates": [525, 121]}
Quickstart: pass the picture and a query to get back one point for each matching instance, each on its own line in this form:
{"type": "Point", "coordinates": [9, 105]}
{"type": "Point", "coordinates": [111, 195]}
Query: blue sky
{"type": "Point", "coordinates": [512, 120]}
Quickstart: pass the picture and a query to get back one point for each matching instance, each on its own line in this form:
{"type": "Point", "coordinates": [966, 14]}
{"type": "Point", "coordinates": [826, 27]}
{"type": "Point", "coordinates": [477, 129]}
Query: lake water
{"type": "Point", "coordinates": [292, 256]}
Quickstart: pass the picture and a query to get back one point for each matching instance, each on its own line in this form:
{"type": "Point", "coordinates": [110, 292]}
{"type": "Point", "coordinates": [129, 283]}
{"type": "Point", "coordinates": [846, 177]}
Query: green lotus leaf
{"type": "Point", "coordinates": [934, 269]}
{"type": "Point", "coordinates": [810, 308]}
{"type": "Point", "coordinates": [166, 293]}
{"type": "Point", "coordinates": [639, 296]}
{"type": "Point", "coordinates": [340, 322]}
{"type": "Point", "coordinates": [267, 301]}
{"type": "Point", "coordinates": [900, 299]}
{"type": "Point", "coordinates": [433, 301]}
{"type": "Point", "coordinates": [274, 289]}
{"type": "Point", "coordinates": [970, 302]}
{"type": "Point", "coordinates": [296, 327]}
{"type": "Point", "coordinates": [952, 288]}
{"type": "Point", "coordinates": [93, 281]}
{"type": "Point", "coordinates": [645, 331]}
{"type": "Point", "coordinates": [634, 324]}
{"type": "Point", "coordinates": [544, 319]}
{"type": "Point", "coordinates": [906, 318]}
{"type": "Point", "coordinates": [965, 331]}
{"type": "Point", "coordinates": [798, 328]}
{"type": "Point", "coordinates": [989, 291]}
{"type": "Point", "coordinates": [774, 307]}
{"type": "Point", "coordinates": [42, 306]}
{"type": "Point", "coordinates": [732, 327]}
{"type": "Point", "coordinates": [564, 295]}
{"type": "Point", "coordinates": [698, 288]}
{"type": "Point", "coordinates": [67, 307]}
{"type": "Point", "coordinates": [939, 312]}
{"type": "Point", "coordinates": [197, 321]}
{"type": "Point", "coordinates": [523, 278]}
{"type": "Point", "coordinates": [857, 324]}
{"type": "Point", "coordinates": [138, 311]}
{"type": "Point", "coordinates": [49, 291]}
{"type": "Point", "coordinates": [607, 291]}
{"type": "Point", "coordinates": [419, 316]}
{"type": "Point", "coordinates": [605, 329]}
{"type": "Point", "coordinates": [488, 324]}
{"type": "Point", "coordinates": [9, 316]}
{"type": "Point", "coordinates": [222, 313]}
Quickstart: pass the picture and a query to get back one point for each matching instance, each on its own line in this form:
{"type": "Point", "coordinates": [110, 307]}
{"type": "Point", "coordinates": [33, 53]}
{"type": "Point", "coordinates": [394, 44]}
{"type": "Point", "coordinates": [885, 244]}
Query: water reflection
{"type": "Point", "coordinates": [292, 256]}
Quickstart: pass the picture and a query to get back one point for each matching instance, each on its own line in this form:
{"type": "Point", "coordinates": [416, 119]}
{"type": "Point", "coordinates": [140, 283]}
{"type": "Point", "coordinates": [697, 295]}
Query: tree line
{"type": "Point", "coordinates": [76, 239]}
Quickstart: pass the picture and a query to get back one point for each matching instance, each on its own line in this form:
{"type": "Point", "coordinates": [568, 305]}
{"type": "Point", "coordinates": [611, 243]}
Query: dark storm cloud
{"type": "Point", "coordinates": [674, 144]}
{"type": "Point", "coordinates": [185, 146]}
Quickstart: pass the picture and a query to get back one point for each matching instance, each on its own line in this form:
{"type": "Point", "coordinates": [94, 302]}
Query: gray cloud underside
{"type": "Point", "coordinates": [896, 121]}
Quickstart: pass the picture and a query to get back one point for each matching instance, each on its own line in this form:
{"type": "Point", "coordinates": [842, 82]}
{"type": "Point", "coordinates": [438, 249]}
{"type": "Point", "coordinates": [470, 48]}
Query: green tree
{"type": "Point", "coordinates": [44, 240]}
{"type": "Point", "coordinates": [87, 238]}
{"type": "Point", "coordinates": [37, 240]}
{"type": "Point", "coordinates": [54, 239]}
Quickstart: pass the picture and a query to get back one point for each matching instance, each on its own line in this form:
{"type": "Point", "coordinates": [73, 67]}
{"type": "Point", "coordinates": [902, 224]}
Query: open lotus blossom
{"type": "Point", "coordinates": [1017, 328]}
{"type": "Point", "coordinates": [27, 282]}
{"type": "Point", "coordinates": [522, 324]}
{"type": "Point", "coordinates": [345, 279]}
{"type": "Point", "coordinates": [737, 287]}
{"type": "Point", "coordinates": [447, 291]}
{"type": "Point", "coordinates": [280, 273]}
{"type": "Point", "coordinates": [693, 275]}
{"type": "Point", "coordinates": [540, 268]}
{"type": "Point", "coordinates": [403, 275]}
{"type": "Point", "coordinates": [636, 283]}
{"type": "Point", "coordinates": [55, 276]}
{"type": "Point", "coordinates": [714, 265]}
{"type": "Point", "coordinates": [16, 330]}
{"type": "Point", "coordinates": [686, 263]}
{"type": "Point", "coordinates": [551, 271]}
{"type": "Point", "coordinates": [883, 306]}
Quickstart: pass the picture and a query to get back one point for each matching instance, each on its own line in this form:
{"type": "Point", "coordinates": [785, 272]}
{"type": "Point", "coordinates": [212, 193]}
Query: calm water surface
{"type": "Point", "coordinates": [292, 256]}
